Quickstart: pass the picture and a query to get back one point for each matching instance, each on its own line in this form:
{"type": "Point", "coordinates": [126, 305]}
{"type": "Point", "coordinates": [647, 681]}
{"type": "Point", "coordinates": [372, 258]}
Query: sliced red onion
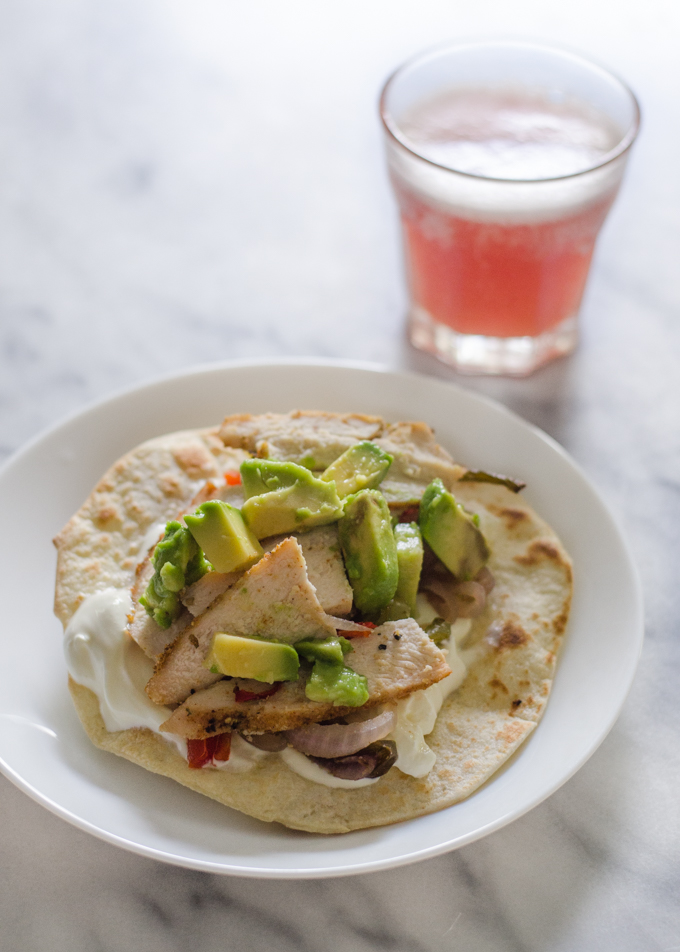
{"type": "Point", "coordinates": [272, 743]}
{"type": "Point", "coordinates": [470, 598]}
{"type": "Point", "coordinates": [441, 597]}
{"type": "Point", "coordinates": [339, 740]}
{"type": "Point", "coordinates": [460, 600]}
{"type": "Point", "coordinates": [372, 762]}
{"type": "Point", "coordinates": [356, 766]}
{"type": "Point", "coordinates": [486, 580]}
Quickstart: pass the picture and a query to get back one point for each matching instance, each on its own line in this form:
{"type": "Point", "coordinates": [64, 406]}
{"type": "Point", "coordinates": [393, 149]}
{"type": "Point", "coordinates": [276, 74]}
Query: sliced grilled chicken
{"type": "Point", "coordinates": [325, 567]}
{"type": "Point", "coordinates": [396, 659]}
{"type": "Point", "coordinates": [274, 599]}
{"type": "Point", "coordinates": [199, 596]}
{"type": "Point", "coordinates": [325, 570]}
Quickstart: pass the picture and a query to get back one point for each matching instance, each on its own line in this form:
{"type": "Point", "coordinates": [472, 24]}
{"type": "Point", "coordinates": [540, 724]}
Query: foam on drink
{"type": "Point", "coordinates": [509, 134]}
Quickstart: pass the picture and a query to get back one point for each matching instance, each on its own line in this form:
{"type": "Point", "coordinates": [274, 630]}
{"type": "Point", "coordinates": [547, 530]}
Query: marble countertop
{"type": "Point", "coordinates": [186, 182]}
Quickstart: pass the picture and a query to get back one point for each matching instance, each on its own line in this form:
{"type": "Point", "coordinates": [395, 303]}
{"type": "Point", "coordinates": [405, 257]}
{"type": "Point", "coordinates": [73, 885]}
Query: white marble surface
{"type": "Point", "coordinates": [181, 182]}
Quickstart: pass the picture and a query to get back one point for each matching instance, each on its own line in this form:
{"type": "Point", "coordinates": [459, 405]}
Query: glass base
{"type": "Point", "coordinates": [477, 354]}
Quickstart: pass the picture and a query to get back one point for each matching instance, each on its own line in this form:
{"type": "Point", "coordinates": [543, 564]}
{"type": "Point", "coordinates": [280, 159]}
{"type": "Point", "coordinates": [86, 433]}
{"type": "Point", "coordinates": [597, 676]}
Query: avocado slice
{"type": "Point", "coordinates": [331, 650]}
{"type": "Point", "coordinates": [178, 562]}
{"type": "Point", "coordinates": [362, 466]}
{"type": "Point", "coordinates": [221, 532]}
{"type": "Point", "coordinates": [394, 611]}
{"type": "Point", "coordinates": [369, 550]}
{"type": "Point", "coordinates": [452, 533]}
{"type": "Point", "coordinates": [331, 679]}
{"type": "Point", "coordinates": [284, 497]}
{"type": "Point", "coordinates": [337, 683]}
{"type": "Point", "coordinates": [239, 657]}
{"type": "Point", "coordinates": [409, 542]}
{"type": "Point", "coordinates": [268, 475]}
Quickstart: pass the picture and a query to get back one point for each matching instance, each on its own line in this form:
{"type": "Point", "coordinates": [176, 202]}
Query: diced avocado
{"type": "Point", "coordinates": [221, 532]}
{"type": "Point", "coordinates": [285, 497]}
{"type": "Point", "coordinates": [410, 560]}
{"type": "Point", "coordinates": [267, 475]}
{"type": "Point", "coordinates": [362, 466]}
{"type": "Point", "coordinates": [451, 532]}
{"type": "Point", "coordinates": [336, 683]}
{"type": "Point", "coordinates": [178, 562]}
{"type": "Point", "coordinates": [369, 550]}
{"type": "Point", "coordinates": [331, 650]}
{"type": "Point", "coordinates": [239, 657]}
{"type": "Point", "coordinates": [402, 492]}
{"type": "Point", "coordinates": [394, 611]}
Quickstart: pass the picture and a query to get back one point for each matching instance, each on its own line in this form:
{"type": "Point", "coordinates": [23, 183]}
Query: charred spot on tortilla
{"type": "Point", "coordinates": [107, 515]}
{"type": "Point", "coordinates": [498, 685]}
{"type": "Point", "coordinates": [484, 717]}
{"type": "Point", "coordinates": [511, 517]}
{"type": "Point", "coordinates": [538, 550]}
{"type": "Point", "coordinates": [513, 636]}
{"type": "Point", "coordinates": [195, 460]}
{"type": "Point", "coordinates": [507, 635]}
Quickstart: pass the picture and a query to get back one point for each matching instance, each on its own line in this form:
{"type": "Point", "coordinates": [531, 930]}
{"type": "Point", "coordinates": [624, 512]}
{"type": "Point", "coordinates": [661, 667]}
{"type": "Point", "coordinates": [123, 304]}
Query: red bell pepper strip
{"type": "Point", "coordinates": [222, 747]}
{"type": "Point", "coordinates": [207, 749]}
{"type": "Point", "coordinates": [199, 752]}
{"type": "Point", "coordinates": [241, 695]}
{"type": "Point", "coordinates": [358, 634]}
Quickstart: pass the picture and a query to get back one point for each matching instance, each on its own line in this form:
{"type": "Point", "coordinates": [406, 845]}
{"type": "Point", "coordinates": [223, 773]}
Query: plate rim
{"type": "Point", "coordinates": [346, 869]}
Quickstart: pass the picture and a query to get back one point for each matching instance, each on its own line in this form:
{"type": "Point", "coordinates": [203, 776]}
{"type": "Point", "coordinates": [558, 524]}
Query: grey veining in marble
{"type": "Point", "coordinates": [184, 182]}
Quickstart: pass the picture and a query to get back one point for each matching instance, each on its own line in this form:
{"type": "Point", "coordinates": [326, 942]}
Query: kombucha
{"type": "Point", "coordinates": [510, 262]}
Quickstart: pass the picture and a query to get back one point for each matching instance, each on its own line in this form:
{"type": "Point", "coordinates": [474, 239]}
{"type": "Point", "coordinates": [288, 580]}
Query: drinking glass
{"type": "Point", "coordinates": [505, 158]}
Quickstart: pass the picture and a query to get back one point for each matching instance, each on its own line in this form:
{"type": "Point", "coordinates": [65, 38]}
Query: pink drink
{"type": "Point", "coordinates": [505, 158]}
{"type": "Point", "coordinates": [523, 273]}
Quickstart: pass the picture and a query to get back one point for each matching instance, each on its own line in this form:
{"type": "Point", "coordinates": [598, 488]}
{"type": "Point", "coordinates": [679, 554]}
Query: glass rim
{"type": "Point", "coordinates": [392, 129]}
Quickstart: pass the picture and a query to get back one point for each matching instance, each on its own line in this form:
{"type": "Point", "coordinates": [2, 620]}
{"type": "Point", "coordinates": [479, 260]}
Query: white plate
{"type": "Point", "coordinates": [43, 748]}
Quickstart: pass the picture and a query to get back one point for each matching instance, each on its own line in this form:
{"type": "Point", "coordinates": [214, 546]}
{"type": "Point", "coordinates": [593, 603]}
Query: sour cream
{"type": "Point", "coordinates": [417, 713]}
{"type": "Point", "coordinates": [242, 758]}
{"type": "Point", "coordinates": [306, 768]}
{"type": "Point", "coordinates": [101, 656]}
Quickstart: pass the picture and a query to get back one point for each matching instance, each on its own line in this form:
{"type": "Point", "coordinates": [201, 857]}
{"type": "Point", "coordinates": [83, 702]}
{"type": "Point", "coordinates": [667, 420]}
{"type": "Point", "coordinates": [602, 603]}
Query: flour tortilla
{"type": "Point", "coordinates": [513, 645]}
